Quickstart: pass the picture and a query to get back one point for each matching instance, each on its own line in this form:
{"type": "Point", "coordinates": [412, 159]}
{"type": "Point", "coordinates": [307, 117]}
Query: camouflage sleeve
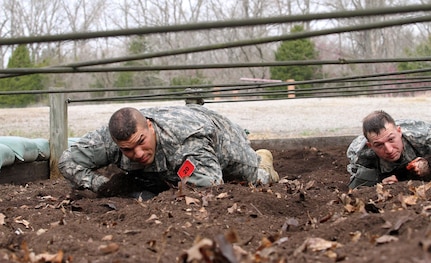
{"type": "Point", "coordinates": [418, 134]}
{"type": "Point", "coordinates": [359, 174]}
{"type": "Point", "coordinates": [79, 162]}
{"type": "Point", "coordinates": [207, 171]}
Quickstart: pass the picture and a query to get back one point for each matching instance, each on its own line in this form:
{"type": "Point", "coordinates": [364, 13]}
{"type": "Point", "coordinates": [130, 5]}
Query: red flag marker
{"type": "Point", "coordinates": [186, 169]}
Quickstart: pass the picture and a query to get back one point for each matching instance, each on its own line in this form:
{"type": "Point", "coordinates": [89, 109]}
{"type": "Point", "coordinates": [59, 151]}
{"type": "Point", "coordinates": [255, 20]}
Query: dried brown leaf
{"type": "Point", "coordinates": [232, 236]}
{"type": "Point", "coordinates": [407, 200]}
{"type": "Point", "coordinates": [194, 254]}
{"type": "Point", "coordinates": [202, 214]}
{"type": "Point", "coordinates": [18, 220]}
{"type": "Point", "coordinates": [420, 191]}
{"type": "Point", "coordinates": [191, 200]}
{"type": "Point", "coordinates": [382, 194]}
{"type": "Point", "coordinates": [355, 236]}
{"type": "Point", "coordinates": [46, 257]}
{"type": "Point", "coordinates": [109, 248]}
{"type": "Point", "coordinates": [2, 218]}
{"type": "Point", "coordinates": [309, 184]}
{"type": "Point", "coordinates": [152, 217]}
{"type": "Point", "coordinates": [386, 239]}
{"type": "Point", "coordinates": [232, 209]}
{"type": "Point", "coordinates": [426, 210]}
{"type": "Point", "coordinates": [222, 195]}
{"type": "Point", "coordinates": [317, 244]}
{"type": "Point", "coordinates": [107, 238]}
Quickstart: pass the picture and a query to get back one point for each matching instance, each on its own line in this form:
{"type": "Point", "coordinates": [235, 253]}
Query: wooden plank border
{"type": "Point", "coordinates": [58, 131]}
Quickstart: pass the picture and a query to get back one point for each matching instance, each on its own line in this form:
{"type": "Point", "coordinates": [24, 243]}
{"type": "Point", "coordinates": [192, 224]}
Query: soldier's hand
{"type": "Point", "coordinates": [390, 180]}
{"type": "Point", "coordinates": [420, 166]}
{"type": "Point", "coordinates": [115, 186]}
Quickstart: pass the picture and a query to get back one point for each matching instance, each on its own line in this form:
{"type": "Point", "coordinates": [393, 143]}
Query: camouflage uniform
{"type": "Point", "coordinates": [218, 148]}
{"type": "Point", "coordinates": [366, 169]}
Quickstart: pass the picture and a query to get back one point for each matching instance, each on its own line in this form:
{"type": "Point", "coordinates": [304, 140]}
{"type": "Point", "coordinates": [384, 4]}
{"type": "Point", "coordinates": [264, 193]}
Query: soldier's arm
{"type": "Point", "coordinates": [207, 171]}
{"type": "Point", "coordinates": [79, 162]}
{"type": "Point", "coordinates": [420, 166]}
{"type": "Point", "coordinates": [361, 175]}
{"type": "Point", "coordinates": [419, 136]}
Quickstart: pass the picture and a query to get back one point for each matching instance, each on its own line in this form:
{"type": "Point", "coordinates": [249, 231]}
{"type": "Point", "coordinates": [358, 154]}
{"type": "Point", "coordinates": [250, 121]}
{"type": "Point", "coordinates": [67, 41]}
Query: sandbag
{"type": "Point", "coordinates": [25, 150]}
{"type": "Point", "coordinates": [43, 147]}
{"type": "Point", "coordinates": [7, 156]}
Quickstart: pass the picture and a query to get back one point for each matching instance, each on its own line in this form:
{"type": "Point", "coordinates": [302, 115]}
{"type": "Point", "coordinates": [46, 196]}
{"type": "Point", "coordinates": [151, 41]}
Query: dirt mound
{"type": "Point", "coordinates": [308, 217]}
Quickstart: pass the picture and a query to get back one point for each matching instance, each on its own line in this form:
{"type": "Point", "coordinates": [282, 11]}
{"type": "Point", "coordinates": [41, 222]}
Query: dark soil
{"type": "Point", "coordinates": [308, 217]}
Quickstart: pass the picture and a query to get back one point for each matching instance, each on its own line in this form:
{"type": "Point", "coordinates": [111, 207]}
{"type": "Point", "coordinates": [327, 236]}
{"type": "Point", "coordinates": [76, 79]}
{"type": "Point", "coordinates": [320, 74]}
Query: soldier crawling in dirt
{"type": "Point", "coordinates": [150, 145]}
{"type": "Point", "coordinates": [389, 151]}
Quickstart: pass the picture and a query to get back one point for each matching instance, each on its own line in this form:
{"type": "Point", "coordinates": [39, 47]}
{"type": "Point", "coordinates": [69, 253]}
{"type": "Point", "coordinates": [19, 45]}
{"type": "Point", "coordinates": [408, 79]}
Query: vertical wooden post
{"type": "Point", "coordinates": [290, 89]}
{"type": "Point", "coordinates": [57, 132]}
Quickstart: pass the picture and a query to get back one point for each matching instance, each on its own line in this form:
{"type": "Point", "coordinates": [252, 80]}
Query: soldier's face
{"type": "Point", "coordinates": [388, 144]}
{"type": "Point", "coordinates": [141, 146]}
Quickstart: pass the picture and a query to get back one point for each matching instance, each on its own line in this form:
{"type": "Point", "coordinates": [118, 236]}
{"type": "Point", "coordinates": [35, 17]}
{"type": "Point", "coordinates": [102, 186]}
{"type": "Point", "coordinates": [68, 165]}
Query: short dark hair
{"type": "Point", "coordinates": [123, 123]}
{"type": "Point", "coordinates": [375, 122]}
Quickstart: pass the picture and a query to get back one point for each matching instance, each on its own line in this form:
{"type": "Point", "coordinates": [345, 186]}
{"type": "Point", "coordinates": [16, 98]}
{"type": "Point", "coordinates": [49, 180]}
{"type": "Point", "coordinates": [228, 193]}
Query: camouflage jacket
{"type": "Point", "coordinates": [218, 148]}
{"type": "Point", "coordinates": [366, 169]}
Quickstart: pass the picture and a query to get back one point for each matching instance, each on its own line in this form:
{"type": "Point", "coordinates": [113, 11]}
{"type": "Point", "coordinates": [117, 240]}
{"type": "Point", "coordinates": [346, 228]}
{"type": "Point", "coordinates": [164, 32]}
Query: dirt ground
{"type": "Point", "coordinates": [309, 216]}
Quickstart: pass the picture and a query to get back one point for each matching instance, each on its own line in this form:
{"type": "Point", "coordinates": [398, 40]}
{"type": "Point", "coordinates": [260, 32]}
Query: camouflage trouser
{"type": "Point", "coordinates": [263, 176]}
{"type": "Point", "coordinates": [260, 176]}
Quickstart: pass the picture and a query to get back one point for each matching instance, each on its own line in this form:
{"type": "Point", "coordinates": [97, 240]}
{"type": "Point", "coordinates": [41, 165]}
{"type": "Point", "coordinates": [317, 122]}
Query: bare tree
{"type": "Point", "coordinates": [34, 18]}
{"type": "Point", "coordinates": [376, 43]}
{"type": "Point", "coordinates": [43, 17]}
{"type": "Point", "coordinates": [80, 16]}
{"type": "Point", "coordinates": [5, 18]}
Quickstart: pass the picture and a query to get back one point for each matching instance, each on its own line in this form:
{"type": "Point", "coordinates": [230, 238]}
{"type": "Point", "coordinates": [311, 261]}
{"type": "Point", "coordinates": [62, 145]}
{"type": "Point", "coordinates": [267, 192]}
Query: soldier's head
{"type": "Point", "coordinates": [134, 134]}
{"type": "Point", "coordinates": [384, 137]}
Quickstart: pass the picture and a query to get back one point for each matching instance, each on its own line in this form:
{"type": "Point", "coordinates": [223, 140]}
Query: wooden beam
{"type": "Point", "coordinates": [58, 131]}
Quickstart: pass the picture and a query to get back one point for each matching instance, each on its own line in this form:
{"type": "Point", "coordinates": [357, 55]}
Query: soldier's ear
{"type": "Point", "coordinates": [149, 124]}
{"type": "Point", "coordinates": [399, 129]}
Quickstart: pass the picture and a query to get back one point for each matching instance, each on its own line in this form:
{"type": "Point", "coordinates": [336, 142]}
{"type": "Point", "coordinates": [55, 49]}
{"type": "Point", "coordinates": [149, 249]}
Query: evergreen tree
{"type": "Point", "coordinates": [422, 50]}
{"type": "Point", "coordinates": [138, 45]}
{"type": "Point", "coordinates": [186, 83]}
{"type": "Point", "coordinates": [196, 79]}
{"type": "Point", "coordinates": [20, 59]}
{"type": "Point", "coordinates": [301, 49]}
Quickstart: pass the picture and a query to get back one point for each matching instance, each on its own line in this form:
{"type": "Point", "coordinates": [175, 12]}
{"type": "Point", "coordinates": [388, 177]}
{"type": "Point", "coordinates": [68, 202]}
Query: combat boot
{"type": "Point", "coordinates": [266, 163]}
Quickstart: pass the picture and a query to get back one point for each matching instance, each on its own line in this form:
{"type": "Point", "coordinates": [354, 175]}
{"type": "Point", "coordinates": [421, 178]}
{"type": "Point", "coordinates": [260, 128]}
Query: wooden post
{"type": "Point", "coordinates": [58, 134]}
{"type": "Point", "coordinates": [291, 90]}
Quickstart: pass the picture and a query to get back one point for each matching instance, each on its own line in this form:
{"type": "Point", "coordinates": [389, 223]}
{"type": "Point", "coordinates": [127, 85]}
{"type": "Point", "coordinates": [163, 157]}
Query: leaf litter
{"type": "Point", "coordinates": [309, 216]}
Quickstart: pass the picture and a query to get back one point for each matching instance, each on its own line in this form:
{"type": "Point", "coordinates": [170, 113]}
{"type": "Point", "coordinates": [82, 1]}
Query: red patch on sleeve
{"type": "Point", "coordinates": [186, 169]}
{"type": "Point", "coordinates": [410, 166]}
